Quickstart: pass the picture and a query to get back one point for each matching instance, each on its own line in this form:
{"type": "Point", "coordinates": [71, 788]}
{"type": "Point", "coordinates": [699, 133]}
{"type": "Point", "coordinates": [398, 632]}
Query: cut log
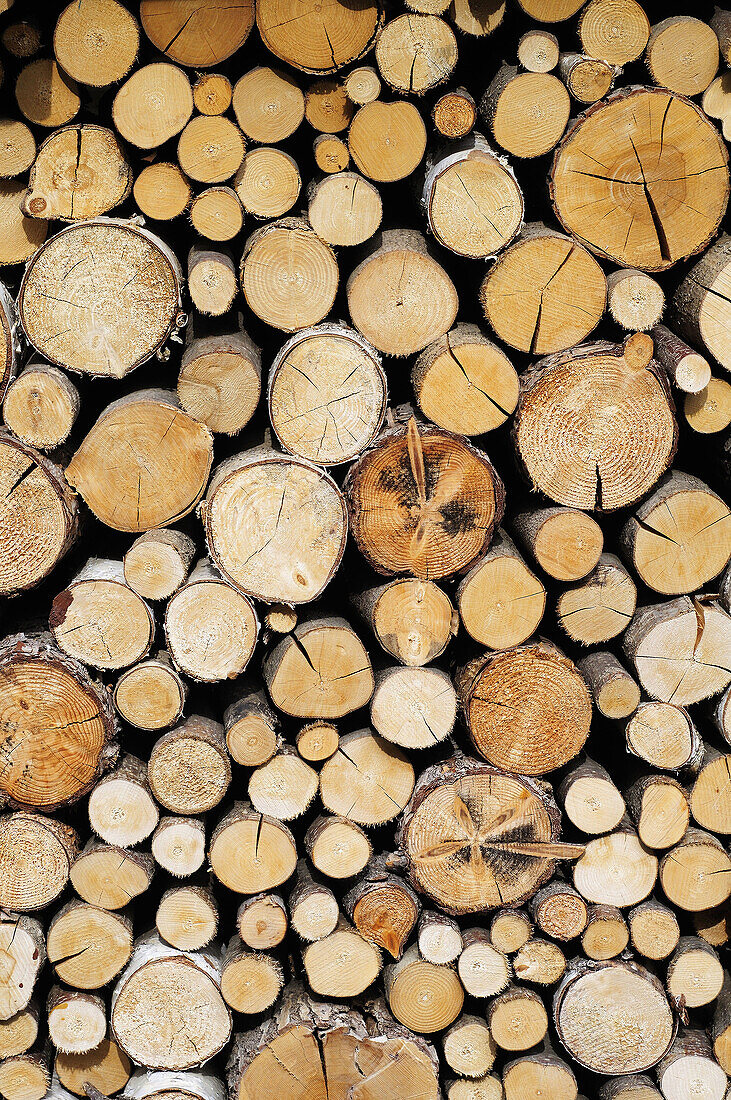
{"type": "Point", "coordinates": [220, 379]}
{"type": "Point", "coordinates": [384, 909]}
{"type": "Point", "coordinates": [654, 930]}
{"type": "Point", "coordinates": [636, 302]}
{"type": "Point", "coordinates": [679, 649]}
{"type": "Point", "coordinates": [689, 1064]}
{"type": "Point", "coordinates": [715, 100]}
{"type": "Point", "coordinates": [510, 929]}
{"type": "Point", "coordinates": [710, 798]}
{"type": "Point", "coordinates": [695, 974]}
{"type": "Point", "coordinates": [122, 810]}
{"type": "Point", "coordinates": [720, 1030]}
{"type": "Point", "coordinates": [501, 602]}
{"type": "Point", "coordinates": [331, 153]}
{"type": "Point", "coordinates": [107, 1068]}
{"type": "Point", "coordinates": [158, 562]}
{"type": "Point", "coordinates": [615, 30]}
{"type": "Point", "coordinates": [527, 709]}
{"type": "Point", "coordinates": [344, 209]}
{"type": "Point", "coordinates": [682, 54]}
{"type": "Point", "coordinates": [179, 845]}
{"type": "Point", "coordinates": [166, 1085]}
{"type": "Point", "coordinates": [606, 934]}
{"type": "Point", "coordinates": [153, 105]}
{"type": "Point", "coordinates": [217, 214]}
{"type": "Point", "coordinates": [530, 295]}
{"type": "Point", "coordinates": [326, 394]}
{"type": "Point", "coordinates": [187, 918]}
{"type": "Point", "coordinates": [21, 236]}
{"type": "Point", "coordinates": [363, 85]}
{"type": "Point", "coordinates": [212, 93]}
{"type": "Point", "coordinates": [320, 670]}
{"type": "Point", "coordinates": [579, 429]}
{"type": "Point", "coordinates": [45, 95]}
{"type": "Point", "coordinates": [722, 26]}
{"type": "Point", "coordinates": [710, 410]}
{"type": "Point", "coordinates": [25, 885]}
{"type": "Point", "coordinates": [337, 847]}
{"type": "Point", "coordinates": [387, 140]}
{"type": "Point", "coordinates": [689, 371]}
{"type": "Point", "coordinates": [17, 148]}
{"type": "Point", "coordinates": [477, 838]}
{"type": "Point", "coordinates": [210, 626]}
{"type": "Point", "coordinates": [415, 53]}
{"type": "Point", "coordinates": [659, 807]}
{"type": "Point", "coordinates": [80, 172]}
{"type": "Point", "coordinates": [550, 11]}
{"type": "Point", "coordinates": [616, 869]}
{"type": "Point", "coordinates": [621, 999]}
{"type": "Point", "coordinates": [268, 183]}
{"type": "Point", "coordinates": [39, 516]}
{"type": "Point", "coordinates": [413, 707]}
{"type": "Point", "coordinates": [694, 874]}
{"type": "Point", "coordinates": [210, 149]}
{"type": "Point", "coordinates": [615, 693]}
{"type": "Point", "coordinates": [22, 39]}
{"type": "Point", "coordinates": [455, 113]}
{"type": "Point", "coordinates": [483, 970]}
{"type": "Point", "coordinates": [439, 938]}
{"type": "Point", "coordinates": [539, 961]}
{"type": "Point", "coordinates": [262, 921]}
{"type": "Point", "coordinates": [468, 1047]}
{"type": "Point", "coordinates": [322, 39]}
{"type": "Point", "coordinates": [24, 955]}
{"type": "Point", "coordinates": [288, 275]}
{"type": "Point", "coordinates": [27, 1077]}
{"type": "Point", "coordinates": [646, 229]}
{"type": "Point", "coordinates": [342, 964]}
{"type": "Point", "coordinates": [189, 770]}
{"type": "Point", "coordinates": [111, 877]}
{"type": "Point", "coordinates": [464, 383]}
{"type": "Point", "coordinates": [250, 853]}
{"type": "Point", "coordinates": [541, 1076]}
{"type": "Point", "coordinates": [317, 741]}
{"type": "Point", "coordinates": [194, 34]}
{"type": "Point", "coordinates": [526, 112]}
{"type": "Point", "coordinates": [327, 106]}
{"type": "Point", "coordinates": [566, 543]}
{"type": "Point", "coordinates": [412, 619]}
{"type": "Point", "coordinates": [599, 607]}
{"type": "Point", "coordinates": [74, 323]}
{"type": "Point", "coordinates": [99, 620]}
{"type": "Point", "coordinates": [58, 726]}
{"type": "Point", "coordinates": [167, 1011]}
{"type": "Point", "coordinates": [517, 1019]}
{"type": "Point", "coordinates": [367, 780]}
{"type": "Point", "coordinates": [700, 307]}
{"type": "Point", "coordinates": [423, 997]}
{"type": "Point", "coordinates": [410, 511]}
{"type": "Point", "coordinates": [268, 104]}
{"type": "Point", "coordinates": [560, 912]}
{"type": "Point", "coordinates": [19, 1033]}
{"type": "Point", "coordinates": [88, 946]}
{"type": "Point", "coordinates": [590, 798]}
{"type": "Point", "coordinates": [41, 406]}
{"type": "Point", "coordinates": [538, 51]}
{"type": "Point", "coordinates": [477, 17]}
{"type": "Point", "coordinates": [665, 736]}
{"type": "Point", "coordinates": [77, 1021]}
{"type": "Point", "coordinates": [252, 728]}
{"type": "Point", "coordinates": [162, 192]}
{"type": "Point", "coordinates": [313, 907]}
{"type": "Point", "coordinates": [284, 787]}
{"type": "Point", "coordinates": [250, 983]}
{"type": "Point", "coordinates": [211, 279]}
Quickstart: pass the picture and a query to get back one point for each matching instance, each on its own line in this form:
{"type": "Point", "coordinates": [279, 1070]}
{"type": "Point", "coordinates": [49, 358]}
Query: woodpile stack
{"type": "Point", "coordinates": [365, 528]}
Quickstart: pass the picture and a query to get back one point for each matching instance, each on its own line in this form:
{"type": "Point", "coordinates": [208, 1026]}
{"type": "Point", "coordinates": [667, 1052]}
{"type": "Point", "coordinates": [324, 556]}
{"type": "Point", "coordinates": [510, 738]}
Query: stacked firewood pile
{"type": "Point", "coordinates": [365, 659]}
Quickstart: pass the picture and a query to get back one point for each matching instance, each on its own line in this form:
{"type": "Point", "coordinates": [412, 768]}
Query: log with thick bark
{"type": "Point", "coordinates": [700, 306]}
{"type": "Point", "coordinates": [367, 780]}
{"type": "Point", "coordinates": [250, 853]}
{"type": "Point", "coordinates": [469, 1047]}
{"type": "Point", "coordinates": [189, 770]}
{"type": "Point", "coordinates": [682, 54]}
{"type": "Point", "coordinates": [615, 693]}
{"type": "Point", "coordinates": [384, 909]}
{"type": "Point", "coordinates": [113, 309]}
{"type": "Point", "coordinates": [36, 854]}
{"type": "Point", "coordinates": [167, 1011]}
{"type": "Point", "coordinates": [636, 301]}
{"type": "Point", "coordinates": [58, 726]}
{"type": "Point", "coordinates": [320, 670]}
{"type": "Point", "coordinates": [153, 105]}
{"type": "Point", "coordinates": [179, 845]}
{"type": "Point", "coordinates": [665, 736]}
{"type": "Point", "coordinates": [387, 140]}
{"type": "Point", "coordinates": [220, 378]}
{"type": "Point", "coordinates": [415, 53]}
{"type": "Point", "coordinates": [472, 201]}
{"type": "Point", "coordinates": [526, 112]}
{"type": "Point", "coordinates": [599, 607]}
{"type": "Point", "coordinates": [41, 406]}
{"type": "Point", "coordinates": [559, 911]}
{"type": "Point", "coordinates": [595, 426]}
{"type": "Point", "coordinates": [695, 874]}
{"type": "Point", "coordinates": [217, 214]}
{"type": "Point", "coordinates": [88, 946]}
{"type": "Point", "coordinates": [695, 974]}
{"type": "Point", "coordinates": [616, 30]}
{"type": "Point", "coordinates": [423, 501]}
{"type": "Point", "coordinates": [477, 838]}
{"type": "Point", "coordinates": [464, 383]}
{"type": "Point", "coordinates": [531, 296]}
{"type": "Point", "coordinates": [100, 620]}
{"type": "Point", "coordinates": [566, 543]}
{"type": "Point", "coordinates": [284, 787]}
{"type": "Point", "coordinates": [111, 877]}
{"type": "Point", "coordinates": [689, 1064]}
{"type": "Point", "coordinates": [679, 538]}
{"type": "Point", "coordinates": [527, 708]}
{"type": "Point", "coordinates": [250, 981]}
{"type": "Point", "coordinates": [645, 227]}
{"type": "Point", "coordinates": [654, 930]}
{"type": "Point", "coordinates": [337, 847]}
{"type": "Point", "coordinates": [680, 649]}
{"type": "Point", "coordinates": [613, 1017]}
{"type": "Point", "coordinates": [194, 34]}
{"type": "Point", "coordinates": [659, 807]}
{"type": "Point", "coordinates": [309, 1048]}
{"type": "Point", "coordinates": [415, 708]}
{"type": "Point", "coordinates": [326, 394]}
{"type": "Point", "coordinates": [399, 297]}
{"type": "Point", "coordinates": [79, 172]}
{"type": "Point", "coordinates": [590, 798]}
{"type": "Point", "coordinates": [501, 601]}
{"type": "Point", "coordinates": [158, 562]}
{"type": "Point", "coordinates": [344, 208]}
{"type": "Point", "coordinates": [412, 619]}
{"type": "Point", "coordinates": [121, 808]}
